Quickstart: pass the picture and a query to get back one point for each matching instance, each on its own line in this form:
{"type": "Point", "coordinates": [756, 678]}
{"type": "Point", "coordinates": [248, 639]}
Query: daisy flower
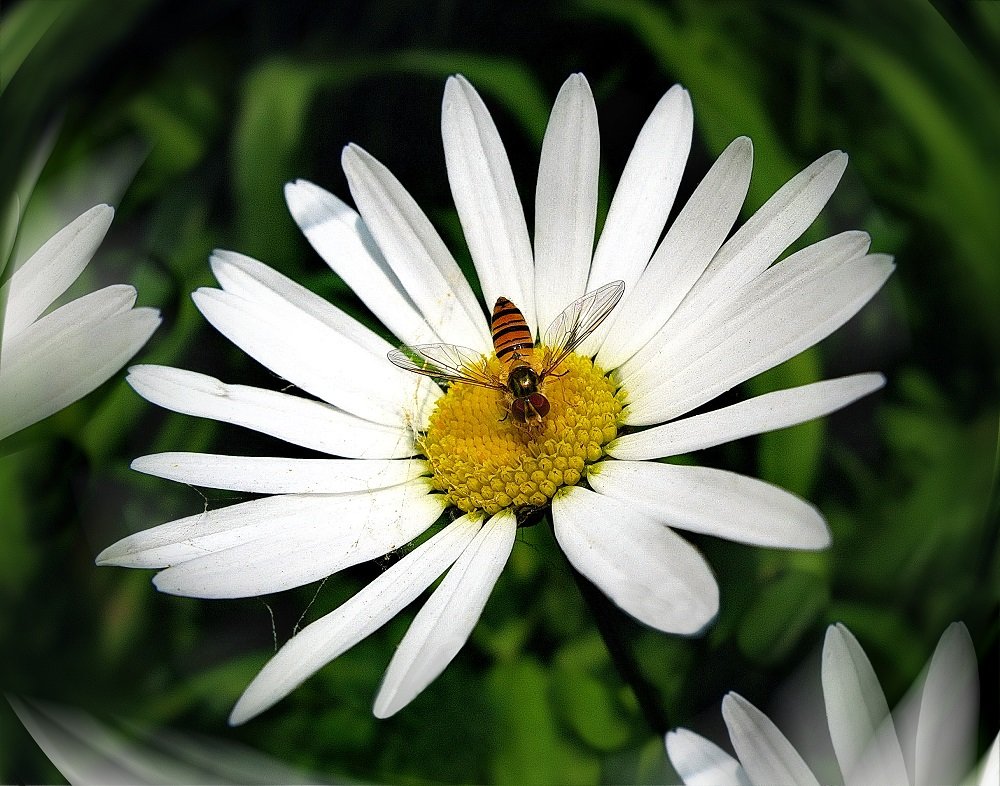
{"type": "Point", "coordinates": [700, 314]}
{"type": "Point", "coordinates": [48, 361]}
{"type": "Point", "coordinates": [931, 741]}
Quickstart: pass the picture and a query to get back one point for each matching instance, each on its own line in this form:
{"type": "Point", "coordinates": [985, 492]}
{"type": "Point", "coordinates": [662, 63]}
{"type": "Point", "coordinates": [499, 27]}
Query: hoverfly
{"type": "Point", "coordinates": [514, 346]}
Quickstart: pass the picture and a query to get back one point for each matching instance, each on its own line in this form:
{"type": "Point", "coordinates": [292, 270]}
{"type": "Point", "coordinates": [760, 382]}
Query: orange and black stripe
{"type": "Point", "coordinates": [510, 331]}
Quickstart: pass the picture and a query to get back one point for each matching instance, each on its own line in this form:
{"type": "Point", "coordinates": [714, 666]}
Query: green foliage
{"type": "Point", "coordinates": [191, 118]}
{"type": "Point", "coordinates": [779, 616]}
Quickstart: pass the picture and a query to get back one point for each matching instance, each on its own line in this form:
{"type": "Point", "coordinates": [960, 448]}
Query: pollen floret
{"type": "Point", "coordinates": [483, 459]}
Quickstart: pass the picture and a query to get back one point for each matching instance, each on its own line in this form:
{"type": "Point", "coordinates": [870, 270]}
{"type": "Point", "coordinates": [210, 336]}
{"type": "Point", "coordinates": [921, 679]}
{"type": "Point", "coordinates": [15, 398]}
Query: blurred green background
{"type": "Point", "coordinates": [190, 117]}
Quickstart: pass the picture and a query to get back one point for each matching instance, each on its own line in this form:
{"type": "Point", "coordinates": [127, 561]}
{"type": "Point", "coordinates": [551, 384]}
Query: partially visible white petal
{"type": "Point", "coordinates": [700, 762]}
{"type": "Point", "coordinates": [765, 753]}
{"type": "Point", "coordinates": [779, 315]}
{"type": "Point", "coordinates": [277, 475]}
{"type": "Point", "coordinates": [66, 354]}
{"type": "Point", "coordinates": [50, 271]}
{"type": "Point", "coordinates": [340, 236]}
{"type": "Point", "coordinates": [949, 706]}
{"type": "Point", "coordinates": [692, 240]}
{"type": "Point", "coordinates": [44, 336]}
{"type": "Point", "coordinates": [713, 502]}
{"type": "Point", "coordinates": [756, 244]}
{"type": "Point", "coordinates": [87, 752]}
{"type": "Point", "coordinates": [300, 421]}
{"type": "Point", "coordinates": [861, 727]}
{"type": "Point", "coordinates": [486, 197]}
{"type": "Point", "coordinates": [416, 253]}
{"type": "Point", "coordinates": [566, 200]}
{"type": "Point", "coordinates": [643, 198]}
{"type": "Point", "coordinates": [443, 625]}
{"type": "Point", "coordinates": [330, 636]}
{"type": "Point", "coordinates": [771, 411]}
{"type": "Point", "coordinates": [647, 569]}
{"type": "Point", "coordinates": [989, 774]}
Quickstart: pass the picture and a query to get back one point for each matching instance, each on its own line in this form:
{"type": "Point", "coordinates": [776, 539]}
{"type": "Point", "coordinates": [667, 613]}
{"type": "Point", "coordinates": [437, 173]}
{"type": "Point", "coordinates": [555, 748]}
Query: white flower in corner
{"type": "Point", "coordinates": [931, 741]}
{"type": "Point", "coordinates": [546, 405]}
{"type": "Point", "coordinates": [49, 360]}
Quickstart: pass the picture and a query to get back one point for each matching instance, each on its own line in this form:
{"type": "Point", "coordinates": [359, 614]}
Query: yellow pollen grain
{"type": "Point", "coordinates": [483, 459]}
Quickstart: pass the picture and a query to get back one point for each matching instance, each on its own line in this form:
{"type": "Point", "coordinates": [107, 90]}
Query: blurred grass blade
{"type": "Point", "coordinates": [722, 75]}
{"type": "Point", "coordinates": [21, 28]}
{"type": "Point", "coordinates": [277, 96]}
{"type": "Point", "coordinates": [953, 138]}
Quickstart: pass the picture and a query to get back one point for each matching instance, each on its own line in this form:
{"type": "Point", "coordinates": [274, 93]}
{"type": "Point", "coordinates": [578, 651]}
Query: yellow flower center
{"type": "Point", "coordinates": [484, 459]}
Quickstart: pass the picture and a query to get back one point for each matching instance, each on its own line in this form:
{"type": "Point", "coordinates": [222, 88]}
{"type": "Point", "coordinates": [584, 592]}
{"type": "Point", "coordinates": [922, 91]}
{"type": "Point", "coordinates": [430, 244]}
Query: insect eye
{"type": "Point", "coordinates": [540, 403]}
{"type": "Point", "coordinates": [517, 409]}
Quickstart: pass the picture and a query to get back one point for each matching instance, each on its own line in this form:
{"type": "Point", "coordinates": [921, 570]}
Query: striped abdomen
{"type": "Point", "coordinates": [511, 337]}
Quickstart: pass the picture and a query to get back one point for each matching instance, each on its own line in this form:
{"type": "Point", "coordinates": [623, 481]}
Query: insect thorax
{"type": "Point", "coordinates": [522, 381]}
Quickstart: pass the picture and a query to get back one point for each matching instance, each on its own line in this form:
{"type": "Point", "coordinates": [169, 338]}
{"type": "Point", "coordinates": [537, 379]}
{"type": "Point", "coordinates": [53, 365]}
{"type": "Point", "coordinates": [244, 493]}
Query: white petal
{"type": "Point", "coordinates": [313, 357]}
{"type": "Point", "coordinates": [775, 226]}
{"type": "Point", "coordinates": [353, 529]}
{"type": "Point", "coordinates": [765, 753]}
{"type": "Point", "coordinates": [290, 303]}
{"type": "Point", "coordinates": [340, 236]}
{"type": "Point", "coordinates": [779, 315]}
{"type": "Point", "coordinates": [252, 280]}
{"type": "Point", "coordinates": [566, 200]}
{"type": "Point", "coordinates": [643, 198]}
{"type": "Point", "coordinates": [713, 502]}
{"type": "Point", "coordinates": [216, 530]}
{"type": "Point", "coordinates": [989, 775]}
{"type": "Point", "coordinates": [36, 284]}
{"type": "Point", "coordinates": [330, 636]}
{"type": "Point", "coordinates": [86, 752]}
{"type": "Point", "coordinates": [768, 412]}
{"type": "Point", "coordinates": [443, 625]}
{"type": "Point", "coordinates": [861, 727]}
{"type": "Point", "coordinates": [486, 197]}
{"type": "Point", "coordinates": [691, 242]}
{"type": "Point", "coordinates": [276, 475]}
{"type": "Point", "coordinates": [300, 421]}
{"type": "Point", "coordinates": [644, 567]}
{"type": "Point", "coordinates": [416, 252]}
{"type": "Point", "coordinates": [703, 763]}
{"type": "Point", "coordinates": [276, 543]}
{"type": "Point", "coordinates": [949, 706]}
{"type": "Point", "coordinates": [66, 354]}
{"type": "Point", "coordinates": [675, 347]}
{"type": "Point", "coordinates": [44, 336]}
{"type": "Point", "coordinates": [678, 345]}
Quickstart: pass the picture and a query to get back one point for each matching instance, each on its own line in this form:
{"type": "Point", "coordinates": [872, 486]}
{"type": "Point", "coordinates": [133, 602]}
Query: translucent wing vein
{"type": "Point", "coordinates": [578, 320]}
{"type": "Point", "coordinates": [446, 362]}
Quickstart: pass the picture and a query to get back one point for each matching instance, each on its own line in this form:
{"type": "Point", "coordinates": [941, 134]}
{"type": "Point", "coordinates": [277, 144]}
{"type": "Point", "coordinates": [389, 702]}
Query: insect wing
{"type": "Point", "coordinates": [446, 362]}
{"type": "Point", "coordinates": [577, 321]}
